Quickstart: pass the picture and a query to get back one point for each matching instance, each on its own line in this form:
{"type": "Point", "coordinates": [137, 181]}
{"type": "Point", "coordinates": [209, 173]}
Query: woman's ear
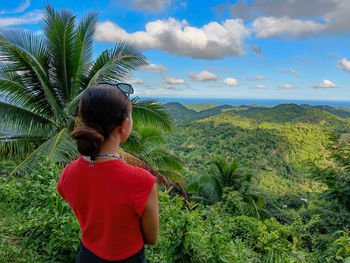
{"type": "Point", "coordinates": [124, 126]}
{"type": "Point", "coordinates": [125, 129]}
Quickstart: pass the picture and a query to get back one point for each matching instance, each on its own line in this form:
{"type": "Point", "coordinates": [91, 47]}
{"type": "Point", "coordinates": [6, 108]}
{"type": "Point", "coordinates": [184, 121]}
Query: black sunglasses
{"type": "Point", "coordinates": [126, 88]}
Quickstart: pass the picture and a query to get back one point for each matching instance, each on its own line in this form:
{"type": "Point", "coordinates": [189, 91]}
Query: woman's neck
{"type": "Point", "coordinates": [110, 146]}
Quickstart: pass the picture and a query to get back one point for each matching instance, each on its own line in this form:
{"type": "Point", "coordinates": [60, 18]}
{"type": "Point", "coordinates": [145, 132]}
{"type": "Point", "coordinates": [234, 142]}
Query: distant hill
{"type": "Point", "coordinates": [179, 112]}
{"type": "Point", "coordinates": [248, 110]}
{"type": "Point", "coordinates": [341, 111]}
{"type": "Point", "coordinates": [200, 107]}
{"type": "Point", "coordinates": [282, 113]}
{"type": "Point", "coordinates": [282, 139]}
{"type": "Point", "coordinates": [294, 113]}
{"type": "Point", "coordinates": [213, 111]}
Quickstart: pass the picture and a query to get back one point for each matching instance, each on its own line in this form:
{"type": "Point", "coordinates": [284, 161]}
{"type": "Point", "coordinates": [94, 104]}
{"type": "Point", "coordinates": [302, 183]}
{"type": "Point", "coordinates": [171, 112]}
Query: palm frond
{"type": "Point", "coordinates": [151, 134]}
{"type": "Point", "coordinates": [134, 143]}
{"type": "Point", "coordinates": [115, 64]}
{"type": "Point", "coordinates": [59, 31]}
{"type": "Point", "coordinates": [64, 148]}
{"type": "Point", "coordinates": [209, 192]}
{"type": "Point", "coordinates": [17, 146]}
{"type": "Point", "coordinates": [17, 120]}
{"type": "Point", "coordinates": [221, 165]}
{"type": "Point", "coordinates": [143, 139]}
{"type": "Point", "coordinates": [31, 43]}
{"type": "Point", "coordinates": [193, 187]}
{"type": "Point", "coordinates": [13, 90]}
{"type": "Point", "coordinates": [33, 74]}
{"type": "Point", "coordinates": [149, 112]}
{"type": "Point", "coordinates": [59, 147]}
{"type": "Point", "coordinates": [161, 158]}
{"type": "Point", "coordinates": [132, 160]}
{"type": "Point", "coordinates": [173, 175]}
{"type": "Point", "coordinates": [83, 50]}
{"type": "Point", "coordinates": [29, 161]}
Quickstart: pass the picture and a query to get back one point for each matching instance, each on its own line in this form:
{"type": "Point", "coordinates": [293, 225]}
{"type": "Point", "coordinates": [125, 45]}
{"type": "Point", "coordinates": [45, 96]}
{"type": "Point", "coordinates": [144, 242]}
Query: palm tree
{"type": "Point", "coordinates": [221, 174]}
{"type": "Point", "coordinates": [43, 77]}
{"type": "Point", "coordinates": [148, 144]}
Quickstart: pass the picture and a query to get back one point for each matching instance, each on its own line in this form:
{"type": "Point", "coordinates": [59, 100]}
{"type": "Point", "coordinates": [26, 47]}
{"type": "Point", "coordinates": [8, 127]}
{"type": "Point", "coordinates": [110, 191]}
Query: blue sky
{"type": "Point", "coordinates": [285, 49]}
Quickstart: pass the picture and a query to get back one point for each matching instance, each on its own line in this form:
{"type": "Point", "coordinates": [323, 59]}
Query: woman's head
{"type": "Point", "coordinates": [102, 109]}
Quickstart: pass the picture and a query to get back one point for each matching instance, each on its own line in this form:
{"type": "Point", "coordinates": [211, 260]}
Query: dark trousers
{"type": "Point", "coordinates": [86, 256]}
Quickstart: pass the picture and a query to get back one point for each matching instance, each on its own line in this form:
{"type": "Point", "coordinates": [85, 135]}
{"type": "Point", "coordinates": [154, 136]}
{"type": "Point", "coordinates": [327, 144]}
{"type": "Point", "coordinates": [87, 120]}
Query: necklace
{"type": "Point", "coordinates": [105, 155]}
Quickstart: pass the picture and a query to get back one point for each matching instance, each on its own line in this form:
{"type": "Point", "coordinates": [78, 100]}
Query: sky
{"type": "Point", "coordinates": [282, 49]}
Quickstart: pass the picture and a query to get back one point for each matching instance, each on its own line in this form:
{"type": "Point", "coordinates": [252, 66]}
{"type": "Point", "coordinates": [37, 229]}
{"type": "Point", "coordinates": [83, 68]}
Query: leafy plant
{"type": "Point", "coordinates": [222, 174]}
{"type": "Point", "coordinates": [43, 77]}
{"type": "Point", "coordinates": [148, 144]}
{"type": "Point", "coordinates": [344, 243]}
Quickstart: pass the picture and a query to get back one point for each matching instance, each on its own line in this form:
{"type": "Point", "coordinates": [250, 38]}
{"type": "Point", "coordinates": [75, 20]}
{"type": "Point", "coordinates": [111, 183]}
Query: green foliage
{"type": "Point", "coordinates": [337, 178]}
{"type": "Point", "coordinates": [43, 77]}
{"type": "Point", "coordinates": [280, 145]}
{"type": "Point", "coordinates": [37, 225]}
{"type": "Point", "coordinates": [227, 176]}
{"type": "Point", "coordinates": [200, 107]}
{"type": "Point", "coordinates": [343, 242]}
{"type": "Point", "coordinates": [191, 233]}
{"type": "Point", "coordinates": [179, 112]}
{"type": "Point", "coordinates": [339, 111]}
{"type": "Point", "coordinates": [148, 144]}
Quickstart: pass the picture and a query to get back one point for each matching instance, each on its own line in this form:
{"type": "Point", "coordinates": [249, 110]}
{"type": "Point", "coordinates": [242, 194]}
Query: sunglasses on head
{"type": "Point", "coordinates": [126, 88]}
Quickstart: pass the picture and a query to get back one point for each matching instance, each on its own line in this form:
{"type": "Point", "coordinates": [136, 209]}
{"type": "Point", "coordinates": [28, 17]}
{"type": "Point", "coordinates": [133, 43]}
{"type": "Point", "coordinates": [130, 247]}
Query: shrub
{"type": "Point", "coordinates": [42, 226]}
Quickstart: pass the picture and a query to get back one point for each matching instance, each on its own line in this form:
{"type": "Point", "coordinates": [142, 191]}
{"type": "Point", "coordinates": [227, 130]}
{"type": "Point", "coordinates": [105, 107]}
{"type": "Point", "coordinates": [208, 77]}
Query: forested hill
{"type": "Point", "coordinates": [341, 111]}
{"type": "Point", "coordinates": [180, 112]}
{"type": "Point", "coordinates": [323, 115]}
{"type": "Point", "coordinates": [276, 142]}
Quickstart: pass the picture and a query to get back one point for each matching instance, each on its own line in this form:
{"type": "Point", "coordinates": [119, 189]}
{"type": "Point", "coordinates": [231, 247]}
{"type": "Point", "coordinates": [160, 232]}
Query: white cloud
{"type": "Point", "coordinates": [290, 8]}
{"type": "Point", "coordinates": [230, 82]}
{"type": "Point", "coordinates": [295, 18]}
{"type": "Point", "coordinates": [136, 81]}
{"type": "Point", "coordinates": [287, 86]}
{"type": "Point", "coordinates": [324, 84]}
{"type": "Point", "coordinates": [256, 77]}
{"type": "Point", "coordinates": [344, 64]}
{"type": "Point", "coordinates": [169, 80]}
{"type": "Point", "coordinates": [291, 71]}
{"type": "Point", "coordinates": [212, 41]}
{"type": "Point", "coordinates": [171, 87]}
{"type": "Point", "coordinates": [260, 87]}
{"type": "Point", "coordinates": [32, 17]}
{"type": "Point", "coordinates": [215, 85]}
{"type": "Point", "coordinates": [136, 92]}
{"type": "Point", "coordinates": [203, 76]}
{"type": "Point", "coordinates": [272, 26]}
{"type": "Point", "coordinates": [294, 72]}
{"type": "Point", "coordinates": [338, 19]}
{"type": "Point", "coordinates": [21, 8]}
{"type": "Point", "coordinates": [153, 68]}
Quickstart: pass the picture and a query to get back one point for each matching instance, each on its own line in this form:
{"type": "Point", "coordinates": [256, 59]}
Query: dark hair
{"type": "Point", "coordinates": [101, 109]}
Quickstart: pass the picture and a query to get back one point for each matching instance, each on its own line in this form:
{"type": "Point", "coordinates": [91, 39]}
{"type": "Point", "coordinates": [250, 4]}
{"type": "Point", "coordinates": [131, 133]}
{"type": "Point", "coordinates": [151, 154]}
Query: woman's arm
{"type": "Point", "coordinates": [150, 218]}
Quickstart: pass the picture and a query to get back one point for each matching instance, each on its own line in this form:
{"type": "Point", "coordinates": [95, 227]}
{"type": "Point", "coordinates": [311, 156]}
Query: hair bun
{"type": "Point", "coordinates": [88, 140]}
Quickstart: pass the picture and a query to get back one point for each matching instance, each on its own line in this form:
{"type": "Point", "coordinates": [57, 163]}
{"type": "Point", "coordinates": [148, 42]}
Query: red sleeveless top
{"type": "Point", "coordinates": [108, 199]}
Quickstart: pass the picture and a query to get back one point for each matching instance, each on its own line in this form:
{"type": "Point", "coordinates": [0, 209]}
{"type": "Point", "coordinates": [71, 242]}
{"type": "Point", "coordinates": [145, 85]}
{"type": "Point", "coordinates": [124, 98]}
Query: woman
{"type": "Point", "coordinates": [115, 203]}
